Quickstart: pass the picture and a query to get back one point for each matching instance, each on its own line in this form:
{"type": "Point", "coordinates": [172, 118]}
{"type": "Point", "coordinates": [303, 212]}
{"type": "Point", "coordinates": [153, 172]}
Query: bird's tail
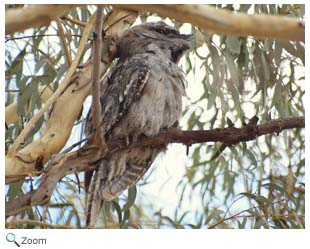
{"type": "Point", "coordinates": [113, 176]}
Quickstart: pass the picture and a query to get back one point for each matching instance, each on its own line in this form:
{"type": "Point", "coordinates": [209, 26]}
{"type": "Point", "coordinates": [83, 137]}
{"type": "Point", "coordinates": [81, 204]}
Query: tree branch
{"type": "Point", "coordinates": [239, 213]}
{"type": "Point", "coordinates": [74, 21]}
{"type": "Point", "coordinates": [84, 158]}
{"type": "Point", "coordinates": [96, 105]}
{"type": "Point", "coordinates": [228, 22]}
{"type": "Point", "coordinates": [229, 135]}
{"type": "Point", "coordinates": [64, 84]}
{"type": "Point", "coordinates": [65, 45]}
{"type": "Point", "coordinates": [32, 16]}
{"type": "Point", "coordinates": [67, 102]}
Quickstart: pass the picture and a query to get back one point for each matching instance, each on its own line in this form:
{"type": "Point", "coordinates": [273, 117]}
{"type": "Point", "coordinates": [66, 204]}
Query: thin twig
{"type": "Point", "coordinates": [96, 105]}
{"type": "Point", "coordinates": [74, 21]}
{"type": "Point", "coordinates": [64, 43]}
{"type": "Point", "coordinates": [12, 91]}
{"type": "Point", "coordinates": [32, 36]}
{"type": "Point", "coordinates": [239, 213]}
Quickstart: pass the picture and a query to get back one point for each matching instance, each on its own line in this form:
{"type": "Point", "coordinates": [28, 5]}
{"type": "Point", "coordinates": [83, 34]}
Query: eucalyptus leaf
{"type": "Point", "coordinates": [245, 7]}
{"type": "Point", "coordinates": [132, 193]}
{"type": "Point", "coordinates": [15, 189]}
{"type": "Point", "coordinates": [233, 44]}
{"type": "Point", "coordinates": [211, 100]}
{"type": "Point", "coordinates": [215, 215]}
{"type": "Point", "coordinates": [253, 160]}
{"type": "Point", "coordinates": [25, 96]}
{"type": "Point", "coordinates": [16, 67]}
{"type": "Point", "coordinates": [118, 210]}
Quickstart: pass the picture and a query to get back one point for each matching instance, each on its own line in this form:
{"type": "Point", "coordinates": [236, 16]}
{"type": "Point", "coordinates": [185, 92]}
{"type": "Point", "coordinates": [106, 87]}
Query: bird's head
{"type": "Point", "coordinates": [154, 37]}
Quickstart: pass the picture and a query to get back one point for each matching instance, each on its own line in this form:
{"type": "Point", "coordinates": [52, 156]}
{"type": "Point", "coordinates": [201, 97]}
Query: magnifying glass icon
{"type": "Point", "coordinates": [10, 237]}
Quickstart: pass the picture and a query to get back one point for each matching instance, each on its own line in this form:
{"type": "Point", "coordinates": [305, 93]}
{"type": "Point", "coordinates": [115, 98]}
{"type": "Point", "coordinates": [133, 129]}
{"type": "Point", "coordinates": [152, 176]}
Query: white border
{"type": "Point", "coordinates": [159, 238]}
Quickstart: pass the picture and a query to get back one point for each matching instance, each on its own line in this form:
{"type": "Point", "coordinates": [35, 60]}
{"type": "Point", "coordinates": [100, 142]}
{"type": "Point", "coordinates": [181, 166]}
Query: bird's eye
{"type": "Point", "coordinates": [161, 31]}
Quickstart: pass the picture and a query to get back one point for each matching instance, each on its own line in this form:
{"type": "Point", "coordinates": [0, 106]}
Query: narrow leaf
{"type": "Point", "coordinates": [132, 193]}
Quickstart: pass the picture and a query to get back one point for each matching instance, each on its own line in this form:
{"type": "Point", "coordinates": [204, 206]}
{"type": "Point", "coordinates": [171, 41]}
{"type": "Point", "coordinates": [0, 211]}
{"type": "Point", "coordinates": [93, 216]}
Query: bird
{"type": "Point", "coordinates": [141, 95]}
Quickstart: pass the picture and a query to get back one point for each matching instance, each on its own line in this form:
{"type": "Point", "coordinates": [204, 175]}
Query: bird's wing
{"type": "Point", "coordinates": [125, 84]}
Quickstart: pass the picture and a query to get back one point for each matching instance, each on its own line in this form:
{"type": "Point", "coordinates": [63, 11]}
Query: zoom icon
{"type": "Point", "coordinates": [10, 237]}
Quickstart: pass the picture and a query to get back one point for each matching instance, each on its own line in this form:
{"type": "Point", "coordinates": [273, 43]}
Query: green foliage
{"type": "Point", "coordinates": [263, 78]}
{"type": "Point", "coordinates": [257, 184]}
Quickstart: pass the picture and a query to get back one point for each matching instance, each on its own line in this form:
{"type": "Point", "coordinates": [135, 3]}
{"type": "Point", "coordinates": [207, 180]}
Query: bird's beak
{"type": "Point", "coordinates": [178, 51]}
{"type": "Point", "coordinates": [182, 42]}
{"type": "Point", "coordinates": [186, 37]}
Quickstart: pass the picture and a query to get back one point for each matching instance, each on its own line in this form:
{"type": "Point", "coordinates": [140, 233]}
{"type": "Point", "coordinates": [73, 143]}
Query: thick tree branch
{"type": "Point", "coordinates": [228, 22]}
{"type": "Point", "coordinates": [84, 158]}
{"type": "Point", "coordinates": [33, 16]}
{"type": "Point", "coordinates": [229, 135]}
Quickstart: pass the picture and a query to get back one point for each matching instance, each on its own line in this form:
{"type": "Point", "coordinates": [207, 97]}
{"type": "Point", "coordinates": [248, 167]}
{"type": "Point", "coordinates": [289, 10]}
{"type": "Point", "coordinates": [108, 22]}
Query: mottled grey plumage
{"type": "Point", "coordinates": [142, 96]}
